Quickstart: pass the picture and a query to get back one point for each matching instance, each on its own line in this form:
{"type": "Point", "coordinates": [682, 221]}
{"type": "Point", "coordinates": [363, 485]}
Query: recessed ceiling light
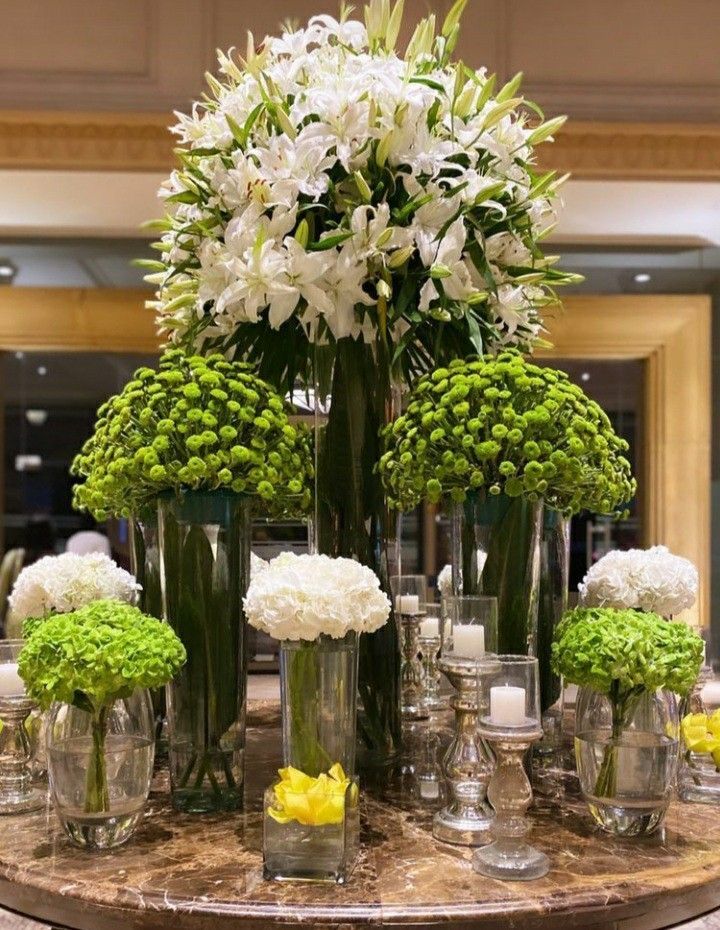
{"type": "Point", "coordinates": [8, 270]}
{"type": "Point", "coordinates": [642, 278]}
{"type": "Point", "coordinates": [585, 376]}
{"type": "Point", "coordinates": [42, 370]}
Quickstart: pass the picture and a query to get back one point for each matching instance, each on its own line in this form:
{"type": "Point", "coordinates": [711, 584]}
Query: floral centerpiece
{"type": "Point", "coordinates": [95, 665]}
{"type": "Point", "coordinates": [619, 657]}
{"type": "Point", "coordinates": [317, 607]}
{"type": "Point", "coordinates": [346, 215]}
{"type": "Point", "coordinates": [646, 579]}
{"type": "Point", "coordinates": [59, 584]}
{"type": "Point", "coordinates": [205, 443]}
{"type": "Point", "coordinates": [495, 437]}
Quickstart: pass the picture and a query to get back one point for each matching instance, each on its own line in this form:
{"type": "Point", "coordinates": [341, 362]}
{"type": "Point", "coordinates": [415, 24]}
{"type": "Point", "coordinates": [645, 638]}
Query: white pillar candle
{"type": "Point", "coordinates": [469, 640]}
{"type": "Point", "coordinates": [430, 627]}
{"type": "Point", "coordinates": [710, 694]}
{"type": "Point", "coordinates": [407, 604]}
{"type": "Point", "coordinates": [507, 706]}
{"type": "Point", "coordinates": [11, 684]}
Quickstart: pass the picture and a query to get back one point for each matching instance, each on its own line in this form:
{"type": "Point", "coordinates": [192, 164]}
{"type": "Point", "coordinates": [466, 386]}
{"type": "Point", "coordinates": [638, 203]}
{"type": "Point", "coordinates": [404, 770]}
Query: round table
{"type": "Point", "coordinates": [187, 872]}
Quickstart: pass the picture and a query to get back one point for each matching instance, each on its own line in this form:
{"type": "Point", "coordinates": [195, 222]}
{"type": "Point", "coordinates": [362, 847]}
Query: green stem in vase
{"type": "Point", "coordinates": [623, 705]}
{"type": "Point", "coordinates": [307, 753]}
{"type": "Point", "coordinates": [97, 797]}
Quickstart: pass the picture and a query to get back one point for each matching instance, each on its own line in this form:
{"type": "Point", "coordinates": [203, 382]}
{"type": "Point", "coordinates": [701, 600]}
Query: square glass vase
{"type": "Point", "coordinates": [699, 779]}
{"type": "Point", "coordinates": [323, 852]}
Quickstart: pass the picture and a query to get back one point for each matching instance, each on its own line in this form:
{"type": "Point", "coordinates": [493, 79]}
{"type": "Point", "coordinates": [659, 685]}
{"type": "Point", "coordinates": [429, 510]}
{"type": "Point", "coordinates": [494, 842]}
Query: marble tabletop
{"type": "Point", "coordinates": [205, 873]}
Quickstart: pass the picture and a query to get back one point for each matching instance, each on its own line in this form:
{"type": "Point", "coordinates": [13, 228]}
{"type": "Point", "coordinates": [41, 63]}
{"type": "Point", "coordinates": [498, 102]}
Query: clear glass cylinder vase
{"type": "Point", "coordinates": [205, 571]}
{"type": "Point", "coordinates": [354, 398]}
{"type": "Point", "coordinates": [496, 552]}
{"type": "Point", "coordinates": [318, 684]}
{"type": "Point", "coordinates": [552, 599]}
{"type": "Point", "coordinates": [100, 767]}
{"type": "Point", "coordinates": [145, 566]}
{"type": "Point", "coordinates": [626, 750]}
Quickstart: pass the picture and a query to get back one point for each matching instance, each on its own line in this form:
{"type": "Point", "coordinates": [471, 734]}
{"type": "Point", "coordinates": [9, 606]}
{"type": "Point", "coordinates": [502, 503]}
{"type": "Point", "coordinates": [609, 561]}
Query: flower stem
{"type": "Point", "coordinates": [97, 797]}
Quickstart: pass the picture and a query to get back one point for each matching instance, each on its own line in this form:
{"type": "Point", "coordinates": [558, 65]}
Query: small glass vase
{"type": "Point", "coordinates": [100, 766]}
{"type": "Point", "coordinates": [309, 835]}
{"type": "Point", "coordinates": [496, 552]}
{"type": "Point", "coordinates": [205, 571]}
{"type": "Point", "coordinates": [626, 752]}
{"type": "Point", "coordinates": [699, 778]}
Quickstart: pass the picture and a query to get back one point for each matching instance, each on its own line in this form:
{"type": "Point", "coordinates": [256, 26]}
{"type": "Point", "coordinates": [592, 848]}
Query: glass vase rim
{"type": "Point", "coordinates": [214, 493]}
{"type": "Point", "coordinates": [516, 660]}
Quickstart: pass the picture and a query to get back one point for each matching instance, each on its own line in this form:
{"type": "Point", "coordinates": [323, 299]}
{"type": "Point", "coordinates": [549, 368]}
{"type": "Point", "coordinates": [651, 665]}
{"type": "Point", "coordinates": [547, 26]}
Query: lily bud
{"type": "Point", "coordinates": [440, 271]}
{"type": "Point", "coordinates": [399, 257]}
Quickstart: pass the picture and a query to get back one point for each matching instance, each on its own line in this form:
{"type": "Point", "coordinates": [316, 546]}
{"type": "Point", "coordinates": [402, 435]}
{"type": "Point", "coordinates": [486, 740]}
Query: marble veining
{"type": "Point", "coordinates": [182, 871]}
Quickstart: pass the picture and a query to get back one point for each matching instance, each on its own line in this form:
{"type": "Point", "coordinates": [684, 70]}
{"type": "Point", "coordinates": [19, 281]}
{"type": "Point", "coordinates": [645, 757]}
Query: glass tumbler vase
{"type": "Point", "coordinates": [627, 753]}
{"type": "Point", "coordinates": [100, 765]}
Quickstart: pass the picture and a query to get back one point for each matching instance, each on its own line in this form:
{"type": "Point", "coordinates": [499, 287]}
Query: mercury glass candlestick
{"type": "Point", "coordinates": [468, 764]}
{"type": "Point", "coordinates": [17, 794]}
{"type": "Point", "coordinates": [429, 641]}
{"type": "Point", "coordinates": [409, 593]}
{"type": "Point", "coordinates": [510, 722]}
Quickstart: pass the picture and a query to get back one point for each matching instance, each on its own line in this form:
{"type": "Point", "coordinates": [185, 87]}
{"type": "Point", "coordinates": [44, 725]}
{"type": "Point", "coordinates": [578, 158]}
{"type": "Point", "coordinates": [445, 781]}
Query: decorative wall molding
{"type": "Point", "coordinates": [141, 142]}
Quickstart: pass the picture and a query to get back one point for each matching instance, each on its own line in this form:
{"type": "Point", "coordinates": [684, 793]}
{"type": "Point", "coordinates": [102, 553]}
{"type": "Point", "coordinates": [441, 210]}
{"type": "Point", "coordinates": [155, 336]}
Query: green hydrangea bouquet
{"type": "Point", "coordinates": [198, 424]}
{"type": "Point", "coordinates": [92, 657]}
{"type": "Point", "coordinates": [505, 426]}
{"type": "Point", "coordinates": [624, 654]}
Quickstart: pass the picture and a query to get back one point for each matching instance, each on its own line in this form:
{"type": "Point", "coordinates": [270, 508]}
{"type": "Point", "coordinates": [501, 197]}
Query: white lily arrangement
{"type": "Point", "coordinates": [332, 187]}
{"type": "Point", "coordinates": [59, 584]}
{"type": "Point", "coordinates": [306, 596]}
{"type": "Point", "coordinates": [644, 579]}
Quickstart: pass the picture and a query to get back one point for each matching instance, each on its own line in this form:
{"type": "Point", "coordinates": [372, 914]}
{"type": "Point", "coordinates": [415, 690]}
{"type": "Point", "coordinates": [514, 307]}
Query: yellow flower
{"type": "Point", "coordinates": [702, 734]}
{"type": "Point", "coordinates": [313, 802]}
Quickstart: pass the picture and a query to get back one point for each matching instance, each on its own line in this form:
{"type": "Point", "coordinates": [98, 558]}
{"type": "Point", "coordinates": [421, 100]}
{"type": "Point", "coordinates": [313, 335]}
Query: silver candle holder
{"type": "Point", "coordinates": [511, 727]}
{"type": "Point", "coordinates": [17, 794]}
{"type": "Point", "coordinates": [411, 674]}
{"type": "Point", "coordinates": [430, 698]}
{"type": "Point", "coordinates": [468, 763]}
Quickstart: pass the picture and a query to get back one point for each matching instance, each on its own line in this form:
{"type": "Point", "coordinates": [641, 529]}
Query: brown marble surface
{"type": "Point", "coordinates": [205, 873]}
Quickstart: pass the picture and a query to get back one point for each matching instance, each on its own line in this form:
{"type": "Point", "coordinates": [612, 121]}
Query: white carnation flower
{"type": "Point", "coordinates": [644, 579]}
{"type": "Point", "coordinates": [307, 596]}
{"type": "Point", "coordinates": [444, 581]}
{"type": "Point", "coordinates": [63, 583]}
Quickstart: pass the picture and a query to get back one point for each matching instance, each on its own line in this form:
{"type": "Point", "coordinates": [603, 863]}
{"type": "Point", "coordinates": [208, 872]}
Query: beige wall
{"type": "Point", "coordinates": [617, 59]}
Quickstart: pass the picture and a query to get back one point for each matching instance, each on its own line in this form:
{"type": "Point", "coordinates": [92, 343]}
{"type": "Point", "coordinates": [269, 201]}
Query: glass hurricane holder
{"type": "Point", "coordinates": [354, 398]}
{"type": "Point", "coordinates": [318, 686]}
{"type": "Point", "coordinates": [17, 794]}
{"type": "Point", "coordinates": [626, 751]}
{"type": "Point", "coordinates": [205, 572]}
{"type": "Point", "coordinates": [298, 846]}
{"type": "Point", "coordinates": [100, 765]}
{"type": "Point", "coordinates": [429, 642]}
{"type": "Point", "coordinates": [511, 726]}
{"type": "Point", "coordinates": [496, 552]}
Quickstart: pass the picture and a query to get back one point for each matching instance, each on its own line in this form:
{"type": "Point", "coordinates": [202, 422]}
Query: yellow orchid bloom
{"type": "Point", "coordinates": [311, 801]}
{"type": "Point", "coordinates": [701, 734]}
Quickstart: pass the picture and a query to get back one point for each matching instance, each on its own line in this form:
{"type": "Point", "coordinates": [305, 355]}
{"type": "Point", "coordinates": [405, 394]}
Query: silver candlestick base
{"type": "Point", "coordinates": [430, 649]}
{"type": "Point", "coordinates": [468, 763]}
{"type": "Point", "coordinates": [17, 794]}
{"type": "Point", "coordinates": [509, 856]}
{"type": "Point", "coordinates": [412, 706]}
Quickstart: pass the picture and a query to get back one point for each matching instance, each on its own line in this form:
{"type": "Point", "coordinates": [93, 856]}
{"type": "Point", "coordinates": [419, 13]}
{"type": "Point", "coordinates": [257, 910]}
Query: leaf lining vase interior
{"type": "Point", "coordinates": [496, 552]}
{"type": "Point", "coordinates": [205, 572]}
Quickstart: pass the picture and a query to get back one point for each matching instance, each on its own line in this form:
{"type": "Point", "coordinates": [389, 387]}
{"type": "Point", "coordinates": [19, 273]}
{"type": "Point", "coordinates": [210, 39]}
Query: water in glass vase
{"type": "Point", "coordinates": [627, 782]}
{"type": "Point", "coordinates": [128, 766]}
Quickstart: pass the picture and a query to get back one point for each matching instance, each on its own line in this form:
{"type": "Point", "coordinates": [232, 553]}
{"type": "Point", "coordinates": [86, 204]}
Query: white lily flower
{"type": "Point", "coordinates": [456, 282]}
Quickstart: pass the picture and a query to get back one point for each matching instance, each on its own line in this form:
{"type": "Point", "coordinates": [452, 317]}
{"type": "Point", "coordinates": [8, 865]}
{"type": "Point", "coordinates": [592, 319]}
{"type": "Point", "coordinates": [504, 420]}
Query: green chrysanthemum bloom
{"type": "Point", "coordinates": [524, 430]}
{"type": "Point", "coordinates": [175, 429]}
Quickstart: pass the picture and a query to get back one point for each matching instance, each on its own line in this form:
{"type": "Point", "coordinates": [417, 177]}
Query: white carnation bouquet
{"type": "Point", "coordinates": [59, 584]}
{"type": "Point", "coordinates": [330, 186]}
{"type": "Point", "coordinates": [302, 597]}
{"type": "Point", "coordinates": [644, 579]}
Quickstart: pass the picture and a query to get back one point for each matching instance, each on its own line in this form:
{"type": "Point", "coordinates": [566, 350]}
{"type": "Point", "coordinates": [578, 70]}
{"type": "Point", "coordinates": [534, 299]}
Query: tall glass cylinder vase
{"type": "Point", "coordinates": [496, 552]}
{"type": "Point", "coordinates": [318, 682]}
{"type": "Point", "coordinates": [553, 598]}
{"type": "Point", "coordinates": [354, 398]}
{"type": "Point", "coordinates": [204, 571]}
{"type": "Point", "coordinates": [145, 565]}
